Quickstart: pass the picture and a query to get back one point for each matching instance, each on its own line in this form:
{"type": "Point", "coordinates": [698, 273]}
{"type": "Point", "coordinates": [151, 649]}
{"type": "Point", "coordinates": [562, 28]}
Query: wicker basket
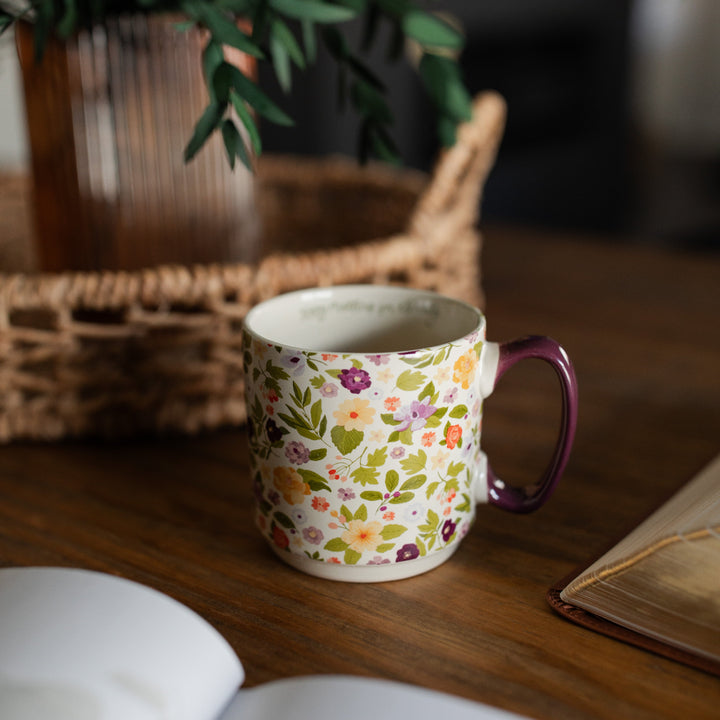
{"type": "Point", "coordinates": [117, 353]}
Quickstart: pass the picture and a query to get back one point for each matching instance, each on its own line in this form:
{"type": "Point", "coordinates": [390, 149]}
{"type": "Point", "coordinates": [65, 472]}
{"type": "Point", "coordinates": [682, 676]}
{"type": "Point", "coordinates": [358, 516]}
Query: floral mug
{"type": "Point", "coordinates": [364, 410]}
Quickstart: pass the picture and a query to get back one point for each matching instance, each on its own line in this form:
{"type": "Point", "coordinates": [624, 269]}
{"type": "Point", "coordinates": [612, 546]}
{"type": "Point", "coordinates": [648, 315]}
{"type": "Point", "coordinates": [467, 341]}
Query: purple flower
{"type": "Point", "coordinates": [329, 390]}
{"type": "Point", "coordinates": [296, 452]}
{"type": "Point", "coordinates": [397, 452]}
{"type": "Point", "coordinates": [295, 363]}
{"type": "Point", "coordinates": [313, 535]}
{"type": "Point", "coordinates": [450, 395]}
{"type": "Point", "coordinates": [378, 359]}
{"type": "Point", "coordinates": [346, 494]}
{"type": "Point", "coordinates": [407, 552]}
{"type": "Point", "coordinates": [448, 530]}
{"type": "Point", "coordinates": [274, 433]}
{"type": "Point", "coordinates": [377, 560]}
{"type": "Point", "coordinates": [415, 415]}
{"type": "Point", "coordinates": [354, 379]}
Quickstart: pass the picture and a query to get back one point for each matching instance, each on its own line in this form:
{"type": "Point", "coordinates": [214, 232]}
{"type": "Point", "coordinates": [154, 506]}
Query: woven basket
{"type": "Point", "coordinates": [118, 353]}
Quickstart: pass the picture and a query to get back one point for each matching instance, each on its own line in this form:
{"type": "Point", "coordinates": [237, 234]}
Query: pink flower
{"type": "Point", "coordinates": [415, 415]}
{"type": "Point", "coordinates": [320, 504]}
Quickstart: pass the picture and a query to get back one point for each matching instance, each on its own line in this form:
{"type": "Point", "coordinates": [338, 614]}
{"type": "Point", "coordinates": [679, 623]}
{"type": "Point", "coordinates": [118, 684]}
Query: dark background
{"type": "Point", "coordinates": [572, 157]}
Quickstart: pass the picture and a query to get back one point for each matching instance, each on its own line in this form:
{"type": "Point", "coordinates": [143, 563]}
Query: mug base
{"type": "Point", "coordinates": [366, 573]}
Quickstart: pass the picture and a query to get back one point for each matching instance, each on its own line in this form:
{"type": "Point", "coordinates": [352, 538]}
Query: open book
{"type": "Point", "coordinates": [81, 645]}
{"type": "Point", "coordinates": [662, 581]}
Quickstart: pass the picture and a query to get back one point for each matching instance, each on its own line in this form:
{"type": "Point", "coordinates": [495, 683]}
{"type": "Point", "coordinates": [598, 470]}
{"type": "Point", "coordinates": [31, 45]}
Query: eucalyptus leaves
{"type": "Point", "coordinates": [285, 33]}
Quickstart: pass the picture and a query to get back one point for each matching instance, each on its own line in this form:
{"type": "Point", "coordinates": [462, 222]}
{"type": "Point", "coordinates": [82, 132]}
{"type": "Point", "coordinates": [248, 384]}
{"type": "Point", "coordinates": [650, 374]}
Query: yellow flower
{"type": "Point", "coordinates": [464, 369]}
{"type": "Point", "coordinates": [290, 485]}
{"type": "Point", "coordinates": [354, 414]}
{"type": "Point", "coordinates": [361, 535]}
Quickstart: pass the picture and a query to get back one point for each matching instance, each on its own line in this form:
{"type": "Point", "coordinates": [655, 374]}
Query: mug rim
{"type": "Point", "coordinates": [255, 313]}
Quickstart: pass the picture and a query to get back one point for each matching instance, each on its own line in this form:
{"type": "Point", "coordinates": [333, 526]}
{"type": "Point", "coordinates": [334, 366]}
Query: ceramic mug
{"type": "Point", "coordinates": [364, 411]}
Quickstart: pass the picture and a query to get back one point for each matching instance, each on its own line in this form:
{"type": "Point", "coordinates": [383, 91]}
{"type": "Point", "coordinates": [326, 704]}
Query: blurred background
{"type": "Point", "coordinates": [614, 114]}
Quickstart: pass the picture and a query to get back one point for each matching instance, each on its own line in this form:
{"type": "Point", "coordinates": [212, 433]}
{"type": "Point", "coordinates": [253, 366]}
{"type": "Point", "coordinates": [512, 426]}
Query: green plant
{"type": "Point", "coordinates": [285, 33]}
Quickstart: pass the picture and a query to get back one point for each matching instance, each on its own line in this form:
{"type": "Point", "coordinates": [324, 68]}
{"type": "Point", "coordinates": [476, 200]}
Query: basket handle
{"type": "Point", "coordinates": [454, 192]}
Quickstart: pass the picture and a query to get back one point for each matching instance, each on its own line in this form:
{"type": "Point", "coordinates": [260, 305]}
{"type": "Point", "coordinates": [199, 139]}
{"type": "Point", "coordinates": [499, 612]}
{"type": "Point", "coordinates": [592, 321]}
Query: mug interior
{"type": "Point", "coordinates": [369, 319]}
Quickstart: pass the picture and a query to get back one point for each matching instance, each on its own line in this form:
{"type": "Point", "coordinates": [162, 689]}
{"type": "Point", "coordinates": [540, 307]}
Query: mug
{"type": "Point", "coordinates": [364, 411]}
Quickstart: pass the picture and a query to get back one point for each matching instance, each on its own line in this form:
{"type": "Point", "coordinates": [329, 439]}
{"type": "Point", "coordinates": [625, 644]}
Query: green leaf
{"type": "Point", "coordinates": [346, 441]}
{"type": "Point", "coordinates": [315, 481]}
{"type": "Point", "coordinates": [318, 454]}
{"type": "Point", "coordinates": [234, 145]}
{"type": "Point", "coordinates": [284, 520]}
{"type": "Point", "coordinates": [212, 59]}
{"type": "Point", "coordinates": [466, 505]}
{"type": "Point", "coordinates": [208, 122]}
{"type": "Point", "coordinates": [316, 412]}
{"type": "Point", "coordinates": [446, 130]}
{"type": "Point", "coordinates": [336, 545]}
{"type": "Point", "coordinates": [459, 411]}
{"type": "Point", "coordinates": [222, 27]}
{"type": "Point", "coordinates": [455, 468]}
{"type": "Point", "coordinates": [247, 120]}
{"type": "Point", "coordinates": [410, 380]}
{"type": "Point", "coordinates": [428, 391]}
{"type": "Point", "coordinates": [365, 475]}
{"type": "Point", "coordinates": [413, 483]}
{"type": "Point", "coordinates": [336, 44]}
{"type": "Point", "coordinates": [377, 458]}
{"type": "Point", "coordinates": [431, 31]}
{"type": "Point", "coordinates": [389, 532]}
{"type": "Point", "coordinates": [68, 22]}
{"type": "Point", "coordinates": [283, 34]}
{"type": "Point", "coordinates": [281, 63]}
{"type": "Point", "coordinates": [361, 513]}
{"type": "Point", "coordinates": [345, 512]}
{"type": "Point", "coordinates": [414, 463]}
{"type": "Point", "coordinates": [257, 99]}
{"type": "Point", "coordinates": [370, 102]}
{"type": "Point", "coordinates": [371, 495]}
{"type": "Point", "coordinates": [309, 40]}
{"type": "Point", "coordinates": [313, 10]}
{"type": "Point", "coordinates": [384, 547]}
{"type": "Point", "coordinates": [441, 77]}
{"type": "Point", "coordinates": [352, 556]}
{"type": "Point", "coordinates": [402, 498]}
{"type": "Point", "coordinates": [391, 480]}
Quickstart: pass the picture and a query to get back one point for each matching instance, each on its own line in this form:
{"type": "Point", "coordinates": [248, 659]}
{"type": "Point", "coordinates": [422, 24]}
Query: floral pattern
{"type": "Point", "coordinates": [364, 459]}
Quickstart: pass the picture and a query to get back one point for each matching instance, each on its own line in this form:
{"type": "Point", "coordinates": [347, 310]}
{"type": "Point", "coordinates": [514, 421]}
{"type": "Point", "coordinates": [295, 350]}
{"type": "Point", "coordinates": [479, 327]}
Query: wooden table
{"type": "Point", "coordinates": [643, 328]}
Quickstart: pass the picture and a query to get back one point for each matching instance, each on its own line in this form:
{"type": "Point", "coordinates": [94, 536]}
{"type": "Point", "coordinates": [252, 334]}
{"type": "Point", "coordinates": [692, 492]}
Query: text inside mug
{"type": "Point", "coordinates": [363, 319]}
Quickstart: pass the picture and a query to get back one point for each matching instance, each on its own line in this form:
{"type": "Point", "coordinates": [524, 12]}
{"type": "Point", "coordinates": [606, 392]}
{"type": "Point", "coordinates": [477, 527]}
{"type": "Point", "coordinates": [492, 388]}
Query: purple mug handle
{"type": "Point", "coordinates": [529, 498]}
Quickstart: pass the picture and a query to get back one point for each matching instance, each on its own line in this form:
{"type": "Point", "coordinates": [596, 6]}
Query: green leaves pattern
{"type": "Point", "coordinates": [285, 33]}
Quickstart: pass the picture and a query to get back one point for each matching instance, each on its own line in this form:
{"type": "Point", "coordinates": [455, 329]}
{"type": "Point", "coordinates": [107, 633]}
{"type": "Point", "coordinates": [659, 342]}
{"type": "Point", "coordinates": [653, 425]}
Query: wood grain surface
{"type": "Point", "coordinates": [641, 325]}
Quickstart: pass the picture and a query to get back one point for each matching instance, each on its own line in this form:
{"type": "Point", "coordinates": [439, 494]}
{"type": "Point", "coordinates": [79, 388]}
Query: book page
{"type": "Point", "coordinates": [334, 697]}
{"type": "Point", "coordinates": [663, 579]}
{"type": "Point", "coordinates": [80, 645]}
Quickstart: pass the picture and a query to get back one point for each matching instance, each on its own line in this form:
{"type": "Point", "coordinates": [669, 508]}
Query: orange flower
{"type": "Point", "coordinates": [453, 436]}
{"type": "Point", "coordinates": [280, 538]}
{"type": "Point", "coordinates": [354, 414]}
{"type": "Point", "coordinates": [290, 485]}
{"type": "Point", "coordinates": [428, 439]}
{"type": "Point", "coordinates": [362, 536]}
{"type": "Point", "coordinates": [392, 403]}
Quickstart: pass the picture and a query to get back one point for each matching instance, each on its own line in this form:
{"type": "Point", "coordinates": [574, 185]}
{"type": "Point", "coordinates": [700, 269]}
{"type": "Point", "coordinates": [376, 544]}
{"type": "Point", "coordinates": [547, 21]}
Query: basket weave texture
{"type": "Point", "coordinates": [156, 350]}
